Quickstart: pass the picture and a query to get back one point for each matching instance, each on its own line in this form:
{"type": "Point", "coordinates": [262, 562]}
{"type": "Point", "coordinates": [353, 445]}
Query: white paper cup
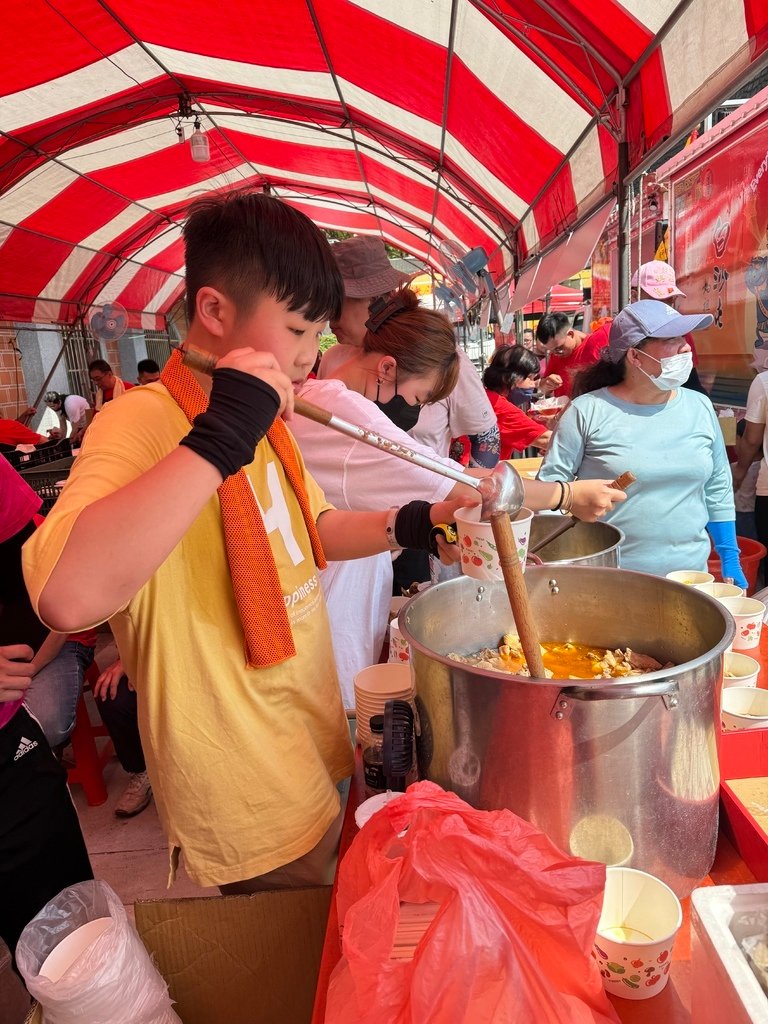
{"type": "Point", "coordinates": [744, 707]}
{"type": "Point", "coordinates": [748, 615]}
{"type": "Point", "coordinates": [720, 590]}
{"type": "Point", "coordinates": [399, 649]}
{"type": "Point", "coordinates": [64, 956]}
{"type": "Point", "coordinates": [739, 670]}
{"type": "Point", "coordinates": [479, 557]}
{"type": "Point", "coordinates": [690, 576]}
{"type": "Point", "coordinates": [640, 919]}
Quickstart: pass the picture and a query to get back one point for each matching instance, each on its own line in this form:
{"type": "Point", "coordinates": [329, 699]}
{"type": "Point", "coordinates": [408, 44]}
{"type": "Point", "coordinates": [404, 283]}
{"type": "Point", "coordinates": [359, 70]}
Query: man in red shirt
{"type": "Point", "coordinates": [569, 350]}
{"type": "Point", "coordinates": [107, 384]}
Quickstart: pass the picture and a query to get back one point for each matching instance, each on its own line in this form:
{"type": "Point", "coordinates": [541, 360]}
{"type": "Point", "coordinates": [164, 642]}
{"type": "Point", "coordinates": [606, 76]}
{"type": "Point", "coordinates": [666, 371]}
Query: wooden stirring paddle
{"type": "Point", "coordinates": [621, 483]}
{"type": "Point", "coordinates": [514, 580]}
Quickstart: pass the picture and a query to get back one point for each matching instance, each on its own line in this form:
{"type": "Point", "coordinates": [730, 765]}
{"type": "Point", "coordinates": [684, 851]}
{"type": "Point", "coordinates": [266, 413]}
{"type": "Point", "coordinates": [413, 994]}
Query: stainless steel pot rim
{"type": "Point", "coordinates": [603, 551]}
{"type": "Point", "coordinates": [681, 669]}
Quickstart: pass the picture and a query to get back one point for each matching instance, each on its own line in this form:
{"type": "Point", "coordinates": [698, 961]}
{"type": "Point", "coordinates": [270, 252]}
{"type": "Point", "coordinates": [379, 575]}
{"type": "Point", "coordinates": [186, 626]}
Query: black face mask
{"type": "Point", "coordinates": [398, 410]}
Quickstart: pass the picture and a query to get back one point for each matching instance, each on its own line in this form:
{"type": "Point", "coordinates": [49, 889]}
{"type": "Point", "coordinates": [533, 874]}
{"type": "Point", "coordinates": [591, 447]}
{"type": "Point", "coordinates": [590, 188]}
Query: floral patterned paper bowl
{"type": "Point", "coordinates": [479, 557]}
{"type": "Point", "coordinates": [744, 707]}
{"type": "Point", "coordinates": [640, 919]}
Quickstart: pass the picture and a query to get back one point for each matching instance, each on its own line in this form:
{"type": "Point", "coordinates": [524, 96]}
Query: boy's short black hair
{"type": "Point", "coordinates": [248, 244]}
{"type": "Point", "coordinates": [147, 366]}
{"type": "Point", "coordinates": [550, 325]}
{"type": "Point", "coordinates": [99, 364]}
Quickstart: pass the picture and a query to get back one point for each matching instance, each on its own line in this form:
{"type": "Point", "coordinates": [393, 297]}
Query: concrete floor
{"type": "Point", "coordinates": [130, 854]}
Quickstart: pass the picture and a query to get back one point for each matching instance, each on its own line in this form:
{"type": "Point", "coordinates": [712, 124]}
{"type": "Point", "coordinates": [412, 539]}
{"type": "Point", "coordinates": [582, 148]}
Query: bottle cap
{"type": "Point", "coordinates": [377, 724]}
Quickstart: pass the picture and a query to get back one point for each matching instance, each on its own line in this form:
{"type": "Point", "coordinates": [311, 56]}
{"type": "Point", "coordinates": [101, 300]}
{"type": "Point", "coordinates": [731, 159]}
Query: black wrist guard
{"type": "Point", "coordinates": [413, 527]}
{"type": "Point", "coordinates": [241, 410]}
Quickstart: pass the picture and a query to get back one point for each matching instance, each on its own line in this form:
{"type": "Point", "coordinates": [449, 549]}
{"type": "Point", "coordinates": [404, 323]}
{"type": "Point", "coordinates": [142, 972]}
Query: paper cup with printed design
{"type": "Point", "coordinates": [748, 615]}
{"type": "Point", "coordinates": [638, 925]}
{"type": "Point", "coordinates": [690, 576]}
{"type": "Point", "coordinates": [739, 670]}
{"type": "Point", "coordinates": [479, 557]}
{"type": "Point", "coordinates": [720, 590]}
{"type": "Point", "coordinates": [399, 649]}
{"type": "Point", "coordinates": [744, 707]}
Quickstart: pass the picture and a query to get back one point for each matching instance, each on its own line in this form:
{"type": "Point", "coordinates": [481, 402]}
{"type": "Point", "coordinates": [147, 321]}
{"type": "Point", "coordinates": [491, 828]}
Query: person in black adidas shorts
{"type": "Point", "coordinates": [42, 850]}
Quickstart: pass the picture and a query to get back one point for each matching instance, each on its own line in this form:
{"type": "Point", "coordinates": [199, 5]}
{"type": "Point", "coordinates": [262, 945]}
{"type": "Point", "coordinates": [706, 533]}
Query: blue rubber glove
{"type": "Point", "coordinates": [724, 538]}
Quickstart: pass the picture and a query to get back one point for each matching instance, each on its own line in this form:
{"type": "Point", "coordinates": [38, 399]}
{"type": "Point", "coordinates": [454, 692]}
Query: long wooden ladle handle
{"type": "Point", "coordinates": [512, 571]}
{"type": "Point", "coordinates": [517, 592]}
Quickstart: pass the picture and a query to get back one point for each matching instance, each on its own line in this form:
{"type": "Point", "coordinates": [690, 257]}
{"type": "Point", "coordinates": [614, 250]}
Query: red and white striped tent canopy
{"type": "Point", "coordinates": [480, 122]}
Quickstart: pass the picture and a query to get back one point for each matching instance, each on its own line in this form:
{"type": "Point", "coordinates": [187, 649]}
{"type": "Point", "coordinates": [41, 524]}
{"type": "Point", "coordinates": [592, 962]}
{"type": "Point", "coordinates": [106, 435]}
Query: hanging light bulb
{"type": "Point", "coordinates": [198, 144]}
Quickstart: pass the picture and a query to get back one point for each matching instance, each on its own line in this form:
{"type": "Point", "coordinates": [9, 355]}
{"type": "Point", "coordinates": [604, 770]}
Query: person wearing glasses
{"type": "Point", "coordinates": [569, 350]}
{"type": "Point", "coordinates": [106, 383]}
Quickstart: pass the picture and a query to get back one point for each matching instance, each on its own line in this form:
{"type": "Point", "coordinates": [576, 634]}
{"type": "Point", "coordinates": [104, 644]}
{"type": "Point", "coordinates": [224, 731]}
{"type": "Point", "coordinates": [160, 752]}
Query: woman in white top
{"type": "Point", "coordinates": [408, 359]}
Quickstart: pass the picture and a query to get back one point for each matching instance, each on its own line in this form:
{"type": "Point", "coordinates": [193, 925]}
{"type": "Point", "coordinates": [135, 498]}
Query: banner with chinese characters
{"type": "Point", "coordinates": [720, 249]}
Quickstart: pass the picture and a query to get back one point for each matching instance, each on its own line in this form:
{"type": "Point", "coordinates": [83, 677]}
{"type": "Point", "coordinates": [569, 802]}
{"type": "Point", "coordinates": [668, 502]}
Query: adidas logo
{"type": "Point", "coordinates": [25, 746]}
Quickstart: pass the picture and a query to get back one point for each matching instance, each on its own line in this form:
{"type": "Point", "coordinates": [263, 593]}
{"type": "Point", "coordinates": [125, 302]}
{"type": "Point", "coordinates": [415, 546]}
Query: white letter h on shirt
{"type": "Point", "coordinates": [278, 517]}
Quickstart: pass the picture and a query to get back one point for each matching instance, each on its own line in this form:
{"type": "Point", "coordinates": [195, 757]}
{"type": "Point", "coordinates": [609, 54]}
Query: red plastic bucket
{"type": "Point", "coordinates": [752, 554]}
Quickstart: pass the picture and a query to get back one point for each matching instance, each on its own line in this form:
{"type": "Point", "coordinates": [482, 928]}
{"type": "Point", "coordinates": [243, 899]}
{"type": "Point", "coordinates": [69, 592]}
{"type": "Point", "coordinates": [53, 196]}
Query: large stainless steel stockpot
{"type": "Point", "coordinates": [624, 771]}
{"type": "Point", "coordinates": [584, 544]}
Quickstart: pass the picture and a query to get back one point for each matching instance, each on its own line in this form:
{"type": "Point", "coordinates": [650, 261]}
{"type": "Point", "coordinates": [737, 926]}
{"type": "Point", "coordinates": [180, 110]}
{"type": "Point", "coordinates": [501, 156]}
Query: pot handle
{"type": "Point", "coordinates": [667, 689]}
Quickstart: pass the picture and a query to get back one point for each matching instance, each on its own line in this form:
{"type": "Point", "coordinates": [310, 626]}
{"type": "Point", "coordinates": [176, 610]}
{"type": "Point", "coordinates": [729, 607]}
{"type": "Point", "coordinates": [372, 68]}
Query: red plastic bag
{"type": "Point", "coordinates": [511, 942]}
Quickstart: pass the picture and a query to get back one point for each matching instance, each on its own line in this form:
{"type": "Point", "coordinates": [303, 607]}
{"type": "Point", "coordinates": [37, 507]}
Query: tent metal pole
{"type": "Point", "coordinates": [624, 207]}
{"type": "Point", "coordinates": [68, 336]}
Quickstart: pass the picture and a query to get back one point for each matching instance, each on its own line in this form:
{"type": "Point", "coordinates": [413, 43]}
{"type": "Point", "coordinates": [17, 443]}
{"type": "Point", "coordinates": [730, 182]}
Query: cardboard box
{"type": "Point", "coordinates": [239, 959]}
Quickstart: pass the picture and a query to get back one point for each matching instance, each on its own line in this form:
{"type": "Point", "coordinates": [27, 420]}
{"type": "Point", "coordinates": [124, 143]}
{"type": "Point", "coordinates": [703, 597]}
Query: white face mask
{"type": "Point", "coordinates": [675, 370]}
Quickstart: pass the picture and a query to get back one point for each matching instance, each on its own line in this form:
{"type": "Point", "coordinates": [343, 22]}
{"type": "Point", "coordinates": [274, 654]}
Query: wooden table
{"type": "Point", "coordinates": [672, 1006]}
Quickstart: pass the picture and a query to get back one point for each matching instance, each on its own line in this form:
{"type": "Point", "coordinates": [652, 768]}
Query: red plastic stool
{"type": "Point", "coordinates": [88, 769]}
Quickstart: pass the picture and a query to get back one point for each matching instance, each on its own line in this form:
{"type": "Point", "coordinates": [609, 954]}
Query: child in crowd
{"type": "Point", "coordinates": [195, 495]}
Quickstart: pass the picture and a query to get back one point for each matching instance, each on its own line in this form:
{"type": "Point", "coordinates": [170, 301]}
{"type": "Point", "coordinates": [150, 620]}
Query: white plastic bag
{"type": "Point", "coordinates": [113, 981]}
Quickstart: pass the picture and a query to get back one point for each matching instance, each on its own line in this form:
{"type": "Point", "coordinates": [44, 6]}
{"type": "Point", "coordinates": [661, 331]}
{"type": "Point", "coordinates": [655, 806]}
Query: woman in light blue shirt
{"type": "Point", "coordinates": [632, 414]}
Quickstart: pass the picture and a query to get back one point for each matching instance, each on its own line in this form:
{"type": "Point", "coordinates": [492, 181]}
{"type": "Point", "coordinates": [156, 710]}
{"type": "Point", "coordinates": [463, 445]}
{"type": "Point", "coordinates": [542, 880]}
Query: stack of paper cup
{"type": "Point", "coordinates": [374, 686]}
{"type": "Point", "coordinates": [399, 649]}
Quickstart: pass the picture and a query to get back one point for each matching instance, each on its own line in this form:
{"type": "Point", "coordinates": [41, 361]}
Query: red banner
{"type": "Point", "coordinates": [720, 247]}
